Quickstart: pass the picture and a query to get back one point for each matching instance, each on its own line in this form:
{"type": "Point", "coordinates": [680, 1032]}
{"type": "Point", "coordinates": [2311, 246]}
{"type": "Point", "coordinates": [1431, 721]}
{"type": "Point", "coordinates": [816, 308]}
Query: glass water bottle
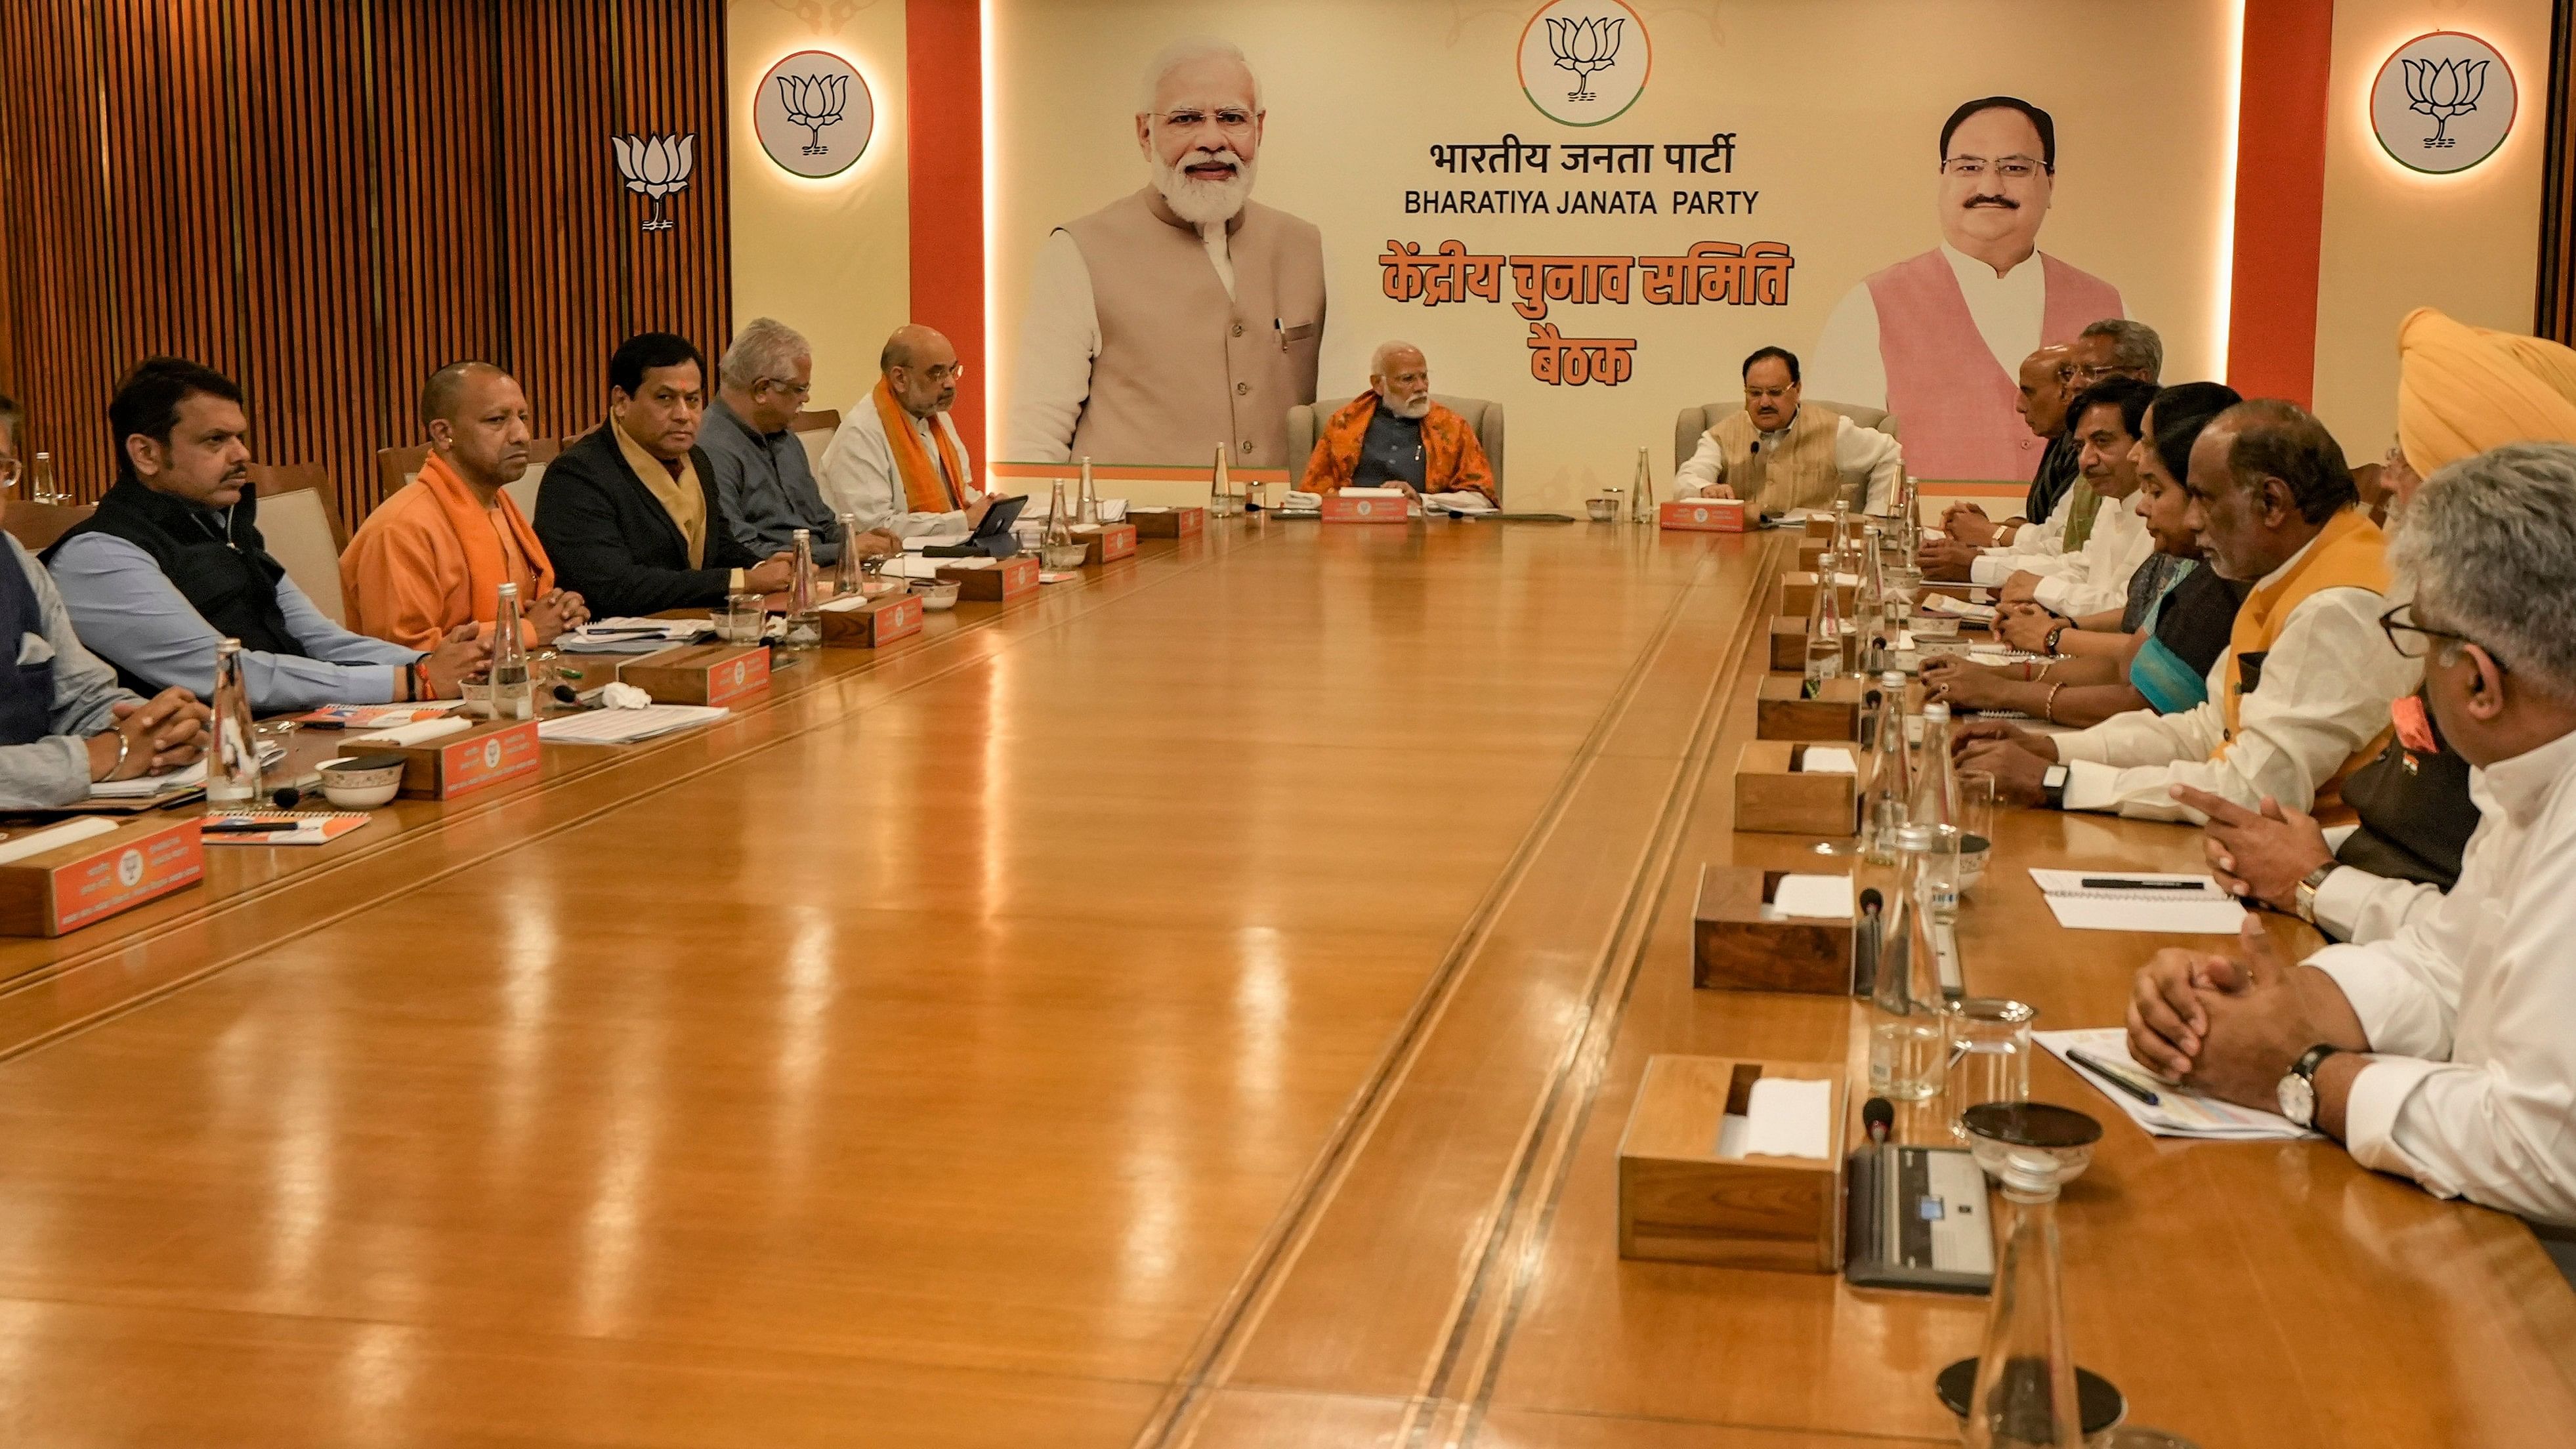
{"type": "Point", "coordinates": [512, 687]}
{"type": "Point", "coordinates": [40, 483]}
{"type": "Point", "coordinates": [1220, 486]}
{"type": "Point", "coordinates": [2025, 1393]}
{"type": "Point", "coordinates": [1086, 509]}
{"type": "Point", "coordinates": [1908, 1042]}
{"type": "Point", "coordinates": [848, 575]}
{"type": "Point", "coordinates": [232, 774]}
{"type": "Point", "coordinates": [1824, 640]}
{"type": "Point", "coordinates": [1891, 789]}
{"type": "Point", "coordinates": [1059, 529]}
{"type": "Point", "coordinates": [804, 617]}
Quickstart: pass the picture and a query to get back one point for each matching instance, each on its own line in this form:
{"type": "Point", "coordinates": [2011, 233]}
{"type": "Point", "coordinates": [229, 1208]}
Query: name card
{"type": "Point", "coordinates": [712, 674]}
{"type": "Point", "coordinates": [1702, 515]}
{"type": "Point", "coordinates": [85, 881]}
{"type": "Point", "coordinates": [1340, 508]}
{"type": "Point", "coordinates": [453, 765]}
{"type": "Point", "coordinates": [871, 623]}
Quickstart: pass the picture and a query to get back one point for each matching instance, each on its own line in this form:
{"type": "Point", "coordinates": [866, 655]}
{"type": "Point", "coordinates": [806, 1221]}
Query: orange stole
{"type": "Point", "coordinates": [925, 489]}
{"type": "Point", "coordinates": [1452, 459]}
{"type": "Point", "coordinates": [2351, 553]}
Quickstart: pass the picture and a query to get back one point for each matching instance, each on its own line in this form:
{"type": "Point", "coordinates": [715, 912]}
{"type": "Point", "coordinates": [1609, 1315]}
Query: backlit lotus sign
{"type": "Point", "coordinates": [2443, 102]}
{"type": "Point", "coordinates": [813, 114]}
{"type": "Point", "coordinates": [1584, 62]}
{"type": "Point", "coordinates": [657, 166]}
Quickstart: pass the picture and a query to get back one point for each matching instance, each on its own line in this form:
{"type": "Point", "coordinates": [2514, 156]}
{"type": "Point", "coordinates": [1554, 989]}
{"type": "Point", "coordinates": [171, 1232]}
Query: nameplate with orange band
{"type": "Point", "coordinates": [85, 881]}
{"type": "Point", "coordinates": [710, 674]}
{"type": "Point", "coordinates": [1167, 522]}
{"type": "Point", "coordinates": [1343, 508]}
{"type": "Point", "coordinates": [1702, 515]}
{"type": "Point", "coordinates": [1105, 542]}
{"type": "Point", "coordinates": [1001, 581]}
{"type": "Point", "coordinates": [442, 769]}
{"type": "Point", "coordinates": [872, 623]}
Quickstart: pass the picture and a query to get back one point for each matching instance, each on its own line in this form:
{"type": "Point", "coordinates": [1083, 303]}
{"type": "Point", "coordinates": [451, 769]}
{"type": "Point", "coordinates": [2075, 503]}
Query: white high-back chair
{"type": "Point", "coordinates": [303, 531]}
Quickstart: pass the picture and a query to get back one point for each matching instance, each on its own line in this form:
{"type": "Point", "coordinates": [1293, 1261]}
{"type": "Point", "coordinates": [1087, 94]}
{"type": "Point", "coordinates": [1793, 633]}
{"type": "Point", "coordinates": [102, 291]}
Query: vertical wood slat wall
{"type": "Point", "coordinates": [326, 199]}
{"type": "Point", "coordinates": [2557, 304]}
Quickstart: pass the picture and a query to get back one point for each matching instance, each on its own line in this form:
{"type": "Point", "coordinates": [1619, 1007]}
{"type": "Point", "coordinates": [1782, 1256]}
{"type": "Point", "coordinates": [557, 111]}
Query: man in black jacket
{"type": "Point", "coordinates": [629, 513]}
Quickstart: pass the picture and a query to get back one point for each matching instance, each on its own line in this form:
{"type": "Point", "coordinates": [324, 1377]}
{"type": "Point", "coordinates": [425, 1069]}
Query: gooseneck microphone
{"type": "Point", "coordinates": [1877, 1115]}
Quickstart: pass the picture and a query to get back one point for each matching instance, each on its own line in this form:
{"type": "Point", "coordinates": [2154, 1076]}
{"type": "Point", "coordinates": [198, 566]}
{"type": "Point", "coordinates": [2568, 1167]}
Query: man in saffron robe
{"type": "Point", "coordinates": [434, 556]}
{"type": "Point", "coordinates": [1395, 436]}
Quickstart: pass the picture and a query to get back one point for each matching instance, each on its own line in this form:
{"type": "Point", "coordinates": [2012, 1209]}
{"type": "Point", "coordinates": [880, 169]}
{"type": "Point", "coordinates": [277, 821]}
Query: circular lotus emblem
{"type": "Point", "coordinates": [813, 114]}
{"type": "Point", "coordinates": [129, 869]}
{"type": "Point", "coordinates": [2443, 102]}
{"type": "Point", "coordinates": [1584, 62]}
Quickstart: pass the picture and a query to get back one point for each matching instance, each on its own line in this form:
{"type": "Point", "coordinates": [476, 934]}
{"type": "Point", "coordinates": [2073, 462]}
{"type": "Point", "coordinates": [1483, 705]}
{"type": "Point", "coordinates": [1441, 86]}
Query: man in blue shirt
{"type": "Point", "coordinates": [172, 564]}
{"type": "Point", "coordinates": [764, 482]}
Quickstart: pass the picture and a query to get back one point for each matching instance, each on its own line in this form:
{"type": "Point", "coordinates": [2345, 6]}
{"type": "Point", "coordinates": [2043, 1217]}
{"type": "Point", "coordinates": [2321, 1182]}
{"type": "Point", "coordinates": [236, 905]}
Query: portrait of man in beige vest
{"type": "Point", "coordinates": [1184, 317]}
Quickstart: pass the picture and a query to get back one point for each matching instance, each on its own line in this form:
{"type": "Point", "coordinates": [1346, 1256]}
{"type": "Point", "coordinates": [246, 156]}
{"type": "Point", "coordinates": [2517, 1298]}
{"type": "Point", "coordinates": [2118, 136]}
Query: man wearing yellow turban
{"type": "Point", "coordinates": [2462, 390]}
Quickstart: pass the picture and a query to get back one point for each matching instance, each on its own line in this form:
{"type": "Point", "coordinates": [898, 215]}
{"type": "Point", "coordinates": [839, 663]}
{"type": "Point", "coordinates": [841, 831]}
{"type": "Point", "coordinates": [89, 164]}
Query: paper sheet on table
{"type": "Point", "coordinates": [144, 787]}
{"type": "Point", "coordinates": [1783, 1117]}
{"type": "Point", "coordinates": [1933, 603]}
{"type": "Point", "coordinates": [1827, 760]}
{"type": "Point", "coordinates": [2178, 1111]}
{"type": "Point", "coordinates": [625, 726]}
{"type": "Point", "coordinates": [1812, 898]}
{"type": "Point", "coordinates": [419, 733]}
{"type": "Point", "coordinates": [1460, 502]}
{"type": "Point", "coordinates": [35, 842]}
{"type": "Point", "coordinates": [1372, 493]}
{"type": "Point", "coordinates": [912, 566]}
{"type": "Point", "coordinates": [631, 635]}
{"type": "Point", "coordinates": [2205, 911]}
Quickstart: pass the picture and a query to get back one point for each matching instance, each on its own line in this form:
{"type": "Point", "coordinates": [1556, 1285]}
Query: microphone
{"type": "Point", "coordinates": [1871, 902]}
{"type": "Point", "coordinates": [1877, 1116]}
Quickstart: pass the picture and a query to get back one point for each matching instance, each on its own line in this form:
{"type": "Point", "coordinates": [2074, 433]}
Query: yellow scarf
{"type": "Point", "coordinates": [2350, 553]}
{"type": "Point", "coordinates": [925, 490]}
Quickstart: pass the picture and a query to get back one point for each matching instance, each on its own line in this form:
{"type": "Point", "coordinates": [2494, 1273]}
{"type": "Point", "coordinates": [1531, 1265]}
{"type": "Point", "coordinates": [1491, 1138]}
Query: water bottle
{"type": "Point", "coordinates": [848, 578]}
{"type": "Point", "coordinates": [1824, 640]}
{"type": "Point", "coordinates": [232, 775]}
{"type": "Point", "coordinates": [1890, 790]}
{"type": "Point", "coordinates": [1908, 1041]}
{"type": "Point", "coordinates": [804, 617]}
{"type": "Point", "coordinates": [511, 689]}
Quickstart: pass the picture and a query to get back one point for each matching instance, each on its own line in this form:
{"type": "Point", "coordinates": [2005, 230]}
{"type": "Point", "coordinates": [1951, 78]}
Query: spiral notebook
{"type": "Point", "coordinates": [2117, 900]}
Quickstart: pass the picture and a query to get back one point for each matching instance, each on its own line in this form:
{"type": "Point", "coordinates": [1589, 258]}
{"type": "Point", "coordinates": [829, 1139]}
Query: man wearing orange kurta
{"type": "Point", "coordinates": [1395, 436]}
{"type": "Point", "coordinates": [434, 555]}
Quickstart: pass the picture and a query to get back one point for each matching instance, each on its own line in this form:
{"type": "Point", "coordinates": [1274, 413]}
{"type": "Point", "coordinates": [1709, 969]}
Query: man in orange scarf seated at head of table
{"type": "Point", "coordinates": [897, 466]}
{"type": "Point", "coordinates": [1395, 436]}
{"type": "Point", "coordinates": [434, 556]}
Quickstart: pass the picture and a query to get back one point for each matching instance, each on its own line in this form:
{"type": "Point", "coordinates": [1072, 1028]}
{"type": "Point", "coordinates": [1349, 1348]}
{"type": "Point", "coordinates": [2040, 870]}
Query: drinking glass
{"type": "Point", "coordinates": [1976, 825]}
{"type": "Point", "coordinates": [1989, 1040]}
{"type": "Point", "coordinates": [744, 620]}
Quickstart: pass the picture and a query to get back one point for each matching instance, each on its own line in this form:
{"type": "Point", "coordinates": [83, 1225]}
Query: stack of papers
{"type": "Point", "coordinates": [632, 636]}
{"type": "Point", "coordinates": [2139, 901]}
{"type": "Point", "coordinates": [145, 787]}
{"type": "Point", "coordinates": [2177, 1111]}
{"type": "Point", "coordinates": [625, 726]}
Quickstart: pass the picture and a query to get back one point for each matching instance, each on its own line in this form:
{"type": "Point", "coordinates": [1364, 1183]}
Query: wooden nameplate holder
{"type": "Point", "coordinates": [1167, 522]}
{"type": "Point", "coordinates": [700, 673]}
{"type": "Point", "coordinates": [1783, 712]}
{"type": "Point", "coordinates": [1820, 526]}
{"type": "Point", "coordinates": [1006, 581]}
{"type": "Point", "coordinates": [871, 623]}
{"type": "Point", "coordinates": [1775, 794]}
{"type": "Point", "coordinates": [1736, 945]}
{"type": "Point", "coordinates": [460, 764]}
{"type": "Point", "coordinates": [1340, 508]}
{"type": "Point", "coordinates": [1701, 515]}
{"type": "Point", "coordinates": [1798, 595]}
{"type": "Point", "coordinates": [1680, 1202]}
{"type": "Point", "coordinates": [1104, 542]}
{"type": "Point", "coordinates": [83, 882]}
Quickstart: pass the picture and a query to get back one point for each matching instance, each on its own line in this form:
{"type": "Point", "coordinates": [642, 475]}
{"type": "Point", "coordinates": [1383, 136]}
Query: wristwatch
{"type": "Point", "coordinates": [2297, 1093]}
{"type": "Point", "coordinates": [2052, 786]}
{"type": "Point", "coordinates": [2308, 887]}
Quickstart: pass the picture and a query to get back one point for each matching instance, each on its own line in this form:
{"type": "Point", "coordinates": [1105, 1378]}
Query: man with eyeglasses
{"type": "Point", "coordinates": [2441, 1054]}
{"type": "Point", "coordinates": [897, 465]}
{"type": "Point", "coordinates": [1185, 317]}
{"type": "Point", "coordinates": [1935, 339]}
{"type": "Point", "coordinates": [2300, 699]}
{"type": "Point", "coordinates": [764, 485]}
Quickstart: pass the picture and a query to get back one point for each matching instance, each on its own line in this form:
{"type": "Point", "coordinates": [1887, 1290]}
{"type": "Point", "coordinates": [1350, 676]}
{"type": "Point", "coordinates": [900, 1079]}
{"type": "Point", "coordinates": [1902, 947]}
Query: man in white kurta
{"type": "Point", "coordinates": [860, 475]}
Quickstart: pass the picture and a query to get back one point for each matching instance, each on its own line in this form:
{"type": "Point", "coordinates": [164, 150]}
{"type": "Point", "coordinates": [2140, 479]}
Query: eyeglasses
{"type": "Point", "coordinates": [2011, 168]}
{"type": "Point", "coordinates": [1232, 120]}
{"type": "Point", "coordinates": [797, 390]}
{"type": "Point", "coordinates": [2400, 631]}
{"type": "Point", "coordinates": [942, 376]}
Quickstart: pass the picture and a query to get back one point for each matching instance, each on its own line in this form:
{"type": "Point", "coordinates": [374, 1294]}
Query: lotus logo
{"type": "Point", "coordinates": [657, 166]}
{"type": "Point", "coordinates": [2443, 89]}
{"type": "Point", "coordinates": [1585, 46]}
{"type": "Point", "coordinates": [129, 869]}
{"type": "Point", "coordinates": [814, 101]}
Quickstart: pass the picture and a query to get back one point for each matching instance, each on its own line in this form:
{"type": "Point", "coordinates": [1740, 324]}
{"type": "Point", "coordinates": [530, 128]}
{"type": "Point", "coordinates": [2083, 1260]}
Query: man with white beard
{"type": "Point", "coordinates": [1395, 436]}
{"type": "Point", "coordinates": [1183, 318]}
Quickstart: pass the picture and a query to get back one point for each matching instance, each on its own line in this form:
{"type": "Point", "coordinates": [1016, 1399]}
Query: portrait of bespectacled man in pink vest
{"type": "Point", "coordinates": [1184, 317]}
{"type": "Point", "coordinates": [1936, 339]}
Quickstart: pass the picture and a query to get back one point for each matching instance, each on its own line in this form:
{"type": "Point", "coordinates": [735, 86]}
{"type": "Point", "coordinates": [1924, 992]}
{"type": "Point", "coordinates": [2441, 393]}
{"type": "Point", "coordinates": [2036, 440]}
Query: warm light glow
{"type": "Point", "coordinates": [2224, 293]}
{"type": "Point", "coordinates": [869, 159]}
{"type": "Point", "coordinates": [991, 178]}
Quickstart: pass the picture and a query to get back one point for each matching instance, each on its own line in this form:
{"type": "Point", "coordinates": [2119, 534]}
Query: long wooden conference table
{"type": "Point", "coordinates": [1199, 1007]}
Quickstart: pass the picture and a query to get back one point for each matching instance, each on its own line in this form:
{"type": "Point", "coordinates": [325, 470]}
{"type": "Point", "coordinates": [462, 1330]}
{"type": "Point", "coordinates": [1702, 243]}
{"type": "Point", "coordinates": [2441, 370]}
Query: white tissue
{"type": "Point", "coordinates": [623, 696]}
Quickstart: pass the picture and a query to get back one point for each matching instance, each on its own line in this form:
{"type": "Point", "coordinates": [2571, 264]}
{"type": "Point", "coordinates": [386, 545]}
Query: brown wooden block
{"type": "Point", "coordinates": [1007, 581]}
{"type": "Point", "coordinates": [1820, 525]}
{"type": "Point", "coordinates": [85, 881]}
{"type": "Point", "coordinates": [1680, 1202]}
{"type": "Point", "coordinates": [1811, 551]}
{"type": "Point", "coordinates": [1798, 594]}
{"type": "Point", "coordinates": [1789, 645]}
{"type": "Point", "coordinates": [1738, 945]}
{"type": "Point", "coordinates": [1783, 712]}
{"type": "Point", "coordinates": [699, 673]}
{"type": "Point", "coordinates": [1773, 793]}
{"type": "Point", "coordinates": [1105, 543]}
{"type": "Point", "coordinates": [460, 764]}
{"type": "Point", "coordinates": [872, 623]}
{"type": "Point", "coordinates": [1167, 522]}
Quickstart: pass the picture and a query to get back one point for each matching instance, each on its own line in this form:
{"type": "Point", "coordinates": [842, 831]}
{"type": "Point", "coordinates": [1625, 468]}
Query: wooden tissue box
{"type": "Point", "coordinates": [1105, 543]}
{"type": "Point", "coordinates": [871, 623]}
{"type": "Point", "coordinates": [699, 673]}
{"type": "Point", "coordinates": [1775, 794]}
{"type": "Point", "coordinates": [1737, 946]}
{"type": "Point", "coordinates": [460, 764]}
{"type": "Point", "coordinates": [1783, 712]}
{"type": "Point", "coordinates": [1167, 522]}
{"type": "Point", "coordinates": [82, 882]}
{"type": "Point", "coordinates": [1798, 594]}
{"type": "Point", "coordinates": [1820, 525]}
{"type": "Point", "coordinates": [1789, 645]}
{"type": "Point", "coordinates": [1701, 515]}
{"type": "Point", "coordinates": [1006, 581]}
{"type": "Point", "coordinates": [1680, 1202]}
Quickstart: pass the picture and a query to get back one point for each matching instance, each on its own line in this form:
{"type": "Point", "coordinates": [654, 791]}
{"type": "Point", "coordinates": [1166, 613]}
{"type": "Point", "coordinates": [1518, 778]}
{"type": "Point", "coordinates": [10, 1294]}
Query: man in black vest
{"type": "Point", "coordinates": [629, 514]}
{"type": "Point", "coordinates": [64, 722]}
{"type": "Point", "coordinates": [172, 564]}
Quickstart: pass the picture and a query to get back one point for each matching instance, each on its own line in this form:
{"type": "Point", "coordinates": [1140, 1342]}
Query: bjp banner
{"type": "Point", "coordinates": [1588, 212]}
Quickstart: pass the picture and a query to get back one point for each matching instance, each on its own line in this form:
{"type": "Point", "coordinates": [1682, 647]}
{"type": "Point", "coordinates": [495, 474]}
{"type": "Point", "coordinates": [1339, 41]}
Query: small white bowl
{"type": "Point", "coordinates": [357, 784]}
{"type": "Point", "coordinates": [936, 595]}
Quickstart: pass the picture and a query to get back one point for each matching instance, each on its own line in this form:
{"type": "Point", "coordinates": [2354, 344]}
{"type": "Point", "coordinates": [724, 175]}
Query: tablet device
{"type": "Point", "coordinates": [993, 537]}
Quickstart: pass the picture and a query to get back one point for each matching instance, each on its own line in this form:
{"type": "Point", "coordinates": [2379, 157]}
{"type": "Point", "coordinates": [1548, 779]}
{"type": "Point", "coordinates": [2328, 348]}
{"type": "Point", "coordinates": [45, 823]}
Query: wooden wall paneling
{"type": "Point", "coordinates": [670, 75]}
{"type": "Point", "coordinates": [561, 202]}
{"type": "Point", "coordinates": [60, 305]}
{"type": "Point", "coordinates": [171, 153]}
{"type": "Point", "coordinates": [2556, 304]}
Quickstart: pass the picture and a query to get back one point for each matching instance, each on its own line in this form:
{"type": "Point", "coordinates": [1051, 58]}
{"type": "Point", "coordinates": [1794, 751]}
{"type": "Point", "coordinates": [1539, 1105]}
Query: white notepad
{"type": "Point", "coordinates": [2158, 903]}
{"type": "Point", "coordinates": [625, 726]}
{"type": "Point", "coordinates": [2177, 1111]}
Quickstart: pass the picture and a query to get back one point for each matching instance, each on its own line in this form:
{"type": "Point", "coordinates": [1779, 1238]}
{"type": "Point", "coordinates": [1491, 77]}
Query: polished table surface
{"type": "Point", "coordinates": [1197, 1007]}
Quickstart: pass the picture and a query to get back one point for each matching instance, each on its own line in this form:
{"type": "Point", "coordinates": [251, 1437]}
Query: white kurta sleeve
{"type": "Point", "coordinates": [2354, 905]}
{"type": "Point", "coordinates": [1705, 470]}
{"type": "Point", "coordinates": [1059, 337]}
{"type": "Point", "coordinates": [1872, 459]}
{"type": "Point", "coordinates": [1847, 366]}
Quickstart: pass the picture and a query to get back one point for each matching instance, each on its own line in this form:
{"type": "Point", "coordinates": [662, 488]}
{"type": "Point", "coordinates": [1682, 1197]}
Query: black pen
{"type": "Point", "coordinates": [2112, 883]}
{"type": "Point", "coordinates": [2113, 1075]}
{"type": "Point", "coordinates": [246, 827]}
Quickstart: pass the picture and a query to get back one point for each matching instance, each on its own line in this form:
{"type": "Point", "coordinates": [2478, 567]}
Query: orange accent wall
{"type": "Point", "coordinates": [944, 69]}
{"type": "Point", "coordinates": [2280, 197]}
